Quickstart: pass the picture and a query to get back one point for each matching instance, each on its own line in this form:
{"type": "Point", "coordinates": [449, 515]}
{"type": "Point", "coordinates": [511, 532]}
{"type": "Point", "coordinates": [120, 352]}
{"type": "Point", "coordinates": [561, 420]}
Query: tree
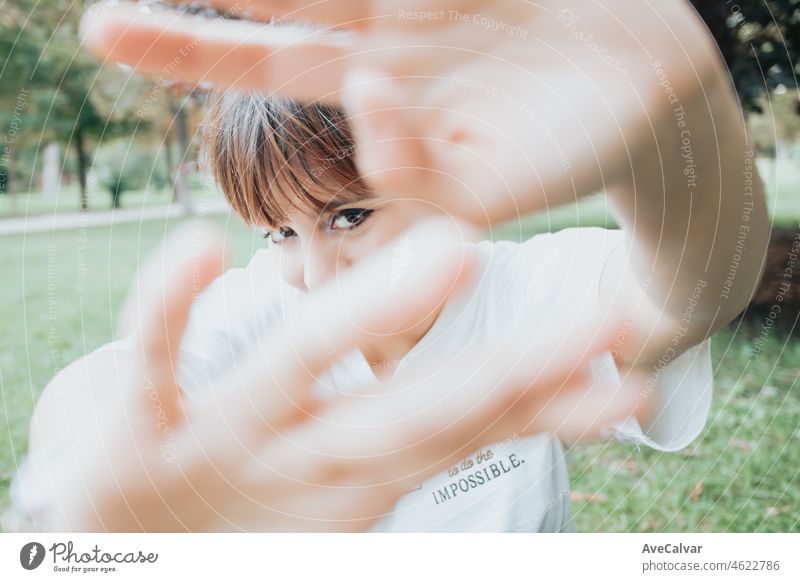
{"type": "Point", "coordinates": [181, 188]}
{"type": "Point", "coordinates": [72, 99]}
{"type": "Point", "coordinates": [759, 40]}
{"type": "Point", "coordinates": [19, 51]}
{"type": "Point", "coordinates": [778, 124]}
{"type": "Point", "coordinates": [73, 82]}
{"type": "Point", "coordinates": [123, 166]}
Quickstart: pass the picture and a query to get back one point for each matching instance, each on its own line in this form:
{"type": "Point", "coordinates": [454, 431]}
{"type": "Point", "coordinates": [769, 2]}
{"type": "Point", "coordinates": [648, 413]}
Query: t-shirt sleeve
{"type": "Point", "coordinates": [682, 391]}
{"type": "Point", "coordinates": [555, 280]}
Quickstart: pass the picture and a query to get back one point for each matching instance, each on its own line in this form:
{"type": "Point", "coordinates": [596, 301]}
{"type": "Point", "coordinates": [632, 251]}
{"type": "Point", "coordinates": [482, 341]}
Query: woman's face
{"type": "Point", "coordinates": [313, 248]}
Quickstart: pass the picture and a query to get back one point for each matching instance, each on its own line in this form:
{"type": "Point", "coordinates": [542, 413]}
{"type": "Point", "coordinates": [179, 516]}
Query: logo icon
{"type": "Point", "coordinates": [31, 555]}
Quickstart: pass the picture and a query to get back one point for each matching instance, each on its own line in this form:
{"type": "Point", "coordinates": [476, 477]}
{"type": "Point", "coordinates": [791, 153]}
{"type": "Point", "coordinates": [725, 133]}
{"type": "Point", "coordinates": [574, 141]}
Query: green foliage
{"type": "Point", "coordinates": [778, 123]}
{"type": "Point", "coordinates": [124, 165]}
{"type": "Point", "coordinates": [70, 97]}
{"type": "Point", "coordinates": [760, 42]}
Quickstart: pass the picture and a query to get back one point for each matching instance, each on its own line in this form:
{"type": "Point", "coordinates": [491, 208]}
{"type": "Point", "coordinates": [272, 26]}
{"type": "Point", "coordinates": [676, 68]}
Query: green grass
{"type": "Point", "coordinates": [61, 292]}
{"type": "Point", "coordinates": [741, 475]}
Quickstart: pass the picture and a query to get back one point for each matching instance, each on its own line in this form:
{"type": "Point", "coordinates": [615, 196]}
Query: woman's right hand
{"type": "Point", "coordinates": [114, 446]}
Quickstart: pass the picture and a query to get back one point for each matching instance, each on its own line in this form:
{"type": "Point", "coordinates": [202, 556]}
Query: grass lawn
{"type": "Point", "coordinates": [741, 475]}
{"type": "Point", "coordinates": [61, 292]}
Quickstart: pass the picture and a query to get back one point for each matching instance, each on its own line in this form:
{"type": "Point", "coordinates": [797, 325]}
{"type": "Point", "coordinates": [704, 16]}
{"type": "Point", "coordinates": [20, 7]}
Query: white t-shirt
{"type": "Point", "coordinates": [517, 485]}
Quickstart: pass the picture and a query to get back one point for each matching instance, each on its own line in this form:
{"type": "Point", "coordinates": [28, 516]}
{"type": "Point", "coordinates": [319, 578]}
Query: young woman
{"type": "Point", "coordinates": [475, 122]}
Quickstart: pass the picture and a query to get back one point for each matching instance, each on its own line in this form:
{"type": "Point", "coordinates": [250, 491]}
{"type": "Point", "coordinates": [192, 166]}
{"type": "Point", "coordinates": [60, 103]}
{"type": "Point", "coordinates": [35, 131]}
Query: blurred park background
{"type": "Point", "coordinates": [97, 165]}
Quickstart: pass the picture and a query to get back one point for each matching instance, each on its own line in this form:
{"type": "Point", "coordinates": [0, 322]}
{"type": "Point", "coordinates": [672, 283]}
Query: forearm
{"type": "Point", "coordinates": [696, 210]}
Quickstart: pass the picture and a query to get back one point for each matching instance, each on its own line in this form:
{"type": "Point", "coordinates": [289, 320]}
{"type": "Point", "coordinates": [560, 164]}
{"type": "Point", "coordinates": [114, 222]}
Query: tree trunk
{"type": "Point", "coordinates": [181, 191]}
{"type": "Point", "coordinates": [167, 146]}
{"type": "Point", "coordinates": [80, 152]}
{"type": "Point", "coordinates": [11, 187]}
{"type": "Point", "coordinates": [51, 171]}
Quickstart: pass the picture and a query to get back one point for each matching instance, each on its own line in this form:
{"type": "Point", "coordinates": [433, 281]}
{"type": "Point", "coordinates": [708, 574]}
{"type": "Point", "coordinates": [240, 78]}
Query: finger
{"type": "Point", "coordinates": [301, 62]}
{"type": "Point", "coordinates": [445, 413]}
{"type": "Point", "coordinates": [576, 388]}
{"type": "Point", "coordinates": [293, 507]}
{"type": "Point", "coordinates": [400, 286]}
{"type": "Point", "coordinates": [391, 157]}
{"type": "Point", "coordinates": [351, 14]}
{"type": "Point", "coordinates": [157, 307]}
{"type": "Point", "coordinates": [431, 152]}
{"type": "Point", "coordinates": [584, 414]}
{"type": "Point", "coordinates": [344, 507]}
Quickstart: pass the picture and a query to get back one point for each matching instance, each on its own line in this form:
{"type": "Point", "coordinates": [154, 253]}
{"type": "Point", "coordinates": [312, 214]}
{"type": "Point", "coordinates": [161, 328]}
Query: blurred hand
{"type": "Point", "coordinates": [492, 108]}
{"type": "Point", "coordinates": [260, 451]}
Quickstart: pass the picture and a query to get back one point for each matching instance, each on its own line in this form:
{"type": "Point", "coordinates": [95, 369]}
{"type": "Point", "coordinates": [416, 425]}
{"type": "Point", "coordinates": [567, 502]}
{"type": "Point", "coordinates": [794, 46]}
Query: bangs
{"type": "Point", "coordinates": [273, 157]}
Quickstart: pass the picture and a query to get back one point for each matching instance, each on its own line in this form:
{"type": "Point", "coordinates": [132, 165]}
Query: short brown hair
{"type": "Point", "coordinates": [271, 155]}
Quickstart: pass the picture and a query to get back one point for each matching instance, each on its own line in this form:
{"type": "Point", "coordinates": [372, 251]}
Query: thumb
{"type": "Point", "coordinates": [400, 286]}
{"type": "Point", "coordinates": [156, 311]}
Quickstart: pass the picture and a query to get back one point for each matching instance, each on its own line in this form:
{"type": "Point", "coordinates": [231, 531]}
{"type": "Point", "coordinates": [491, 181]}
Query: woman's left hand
{"type": "Point", "coordinates": [490, 108]}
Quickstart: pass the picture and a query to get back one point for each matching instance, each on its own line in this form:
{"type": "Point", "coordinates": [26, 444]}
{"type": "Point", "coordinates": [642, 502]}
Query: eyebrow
{"type": "Point", "coordinates": [349, 198]}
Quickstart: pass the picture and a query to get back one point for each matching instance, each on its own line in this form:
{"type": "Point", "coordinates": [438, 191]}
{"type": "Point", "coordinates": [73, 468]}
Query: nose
{"type": "Point", "coordinates": [319, 263]}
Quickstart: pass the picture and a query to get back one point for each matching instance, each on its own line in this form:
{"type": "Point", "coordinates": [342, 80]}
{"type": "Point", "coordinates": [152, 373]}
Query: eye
{"type": "Point", "coordinates": [278, 236]}
{"type": "Point", "coordinates": [349, 218]}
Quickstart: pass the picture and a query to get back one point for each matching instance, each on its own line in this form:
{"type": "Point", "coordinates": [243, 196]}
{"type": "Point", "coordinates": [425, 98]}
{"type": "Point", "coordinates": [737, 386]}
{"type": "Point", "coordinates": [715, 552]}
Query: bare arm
{"type": "Point", "coordinates": [630, 98]}
{"type": "Point", "coordinates": [692, 204]}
